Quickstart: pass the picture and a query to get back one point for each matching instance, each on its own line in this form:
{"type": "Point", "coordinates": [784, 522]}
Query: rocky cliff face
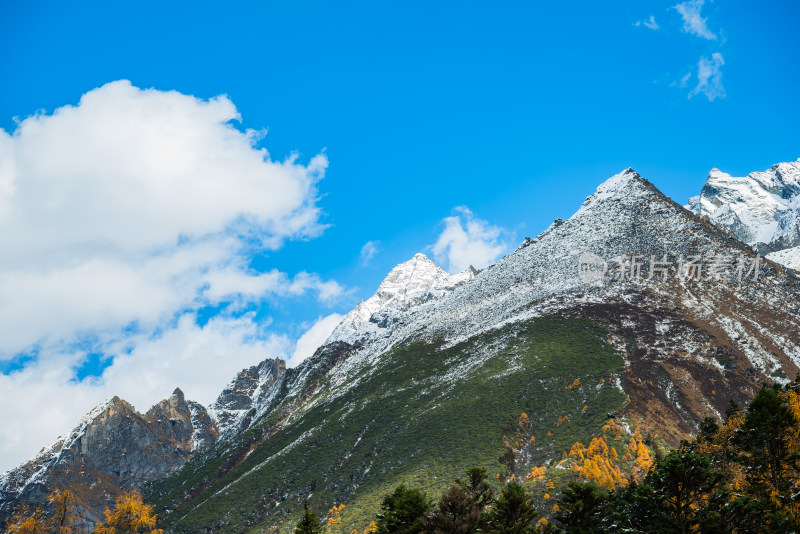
{"type": "Point", "coordinates": [246, 395]}
{"type": "Point", "coordinates": [114, 448]}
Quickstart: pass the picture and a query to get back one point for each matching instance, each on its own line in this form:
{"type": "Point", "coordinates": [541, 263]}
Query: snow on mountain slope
{"type": "Point", "coordinates": [696, 316]}
{"type": "Point", "coordinates": [790, 257]}
{"type": "Point", "coordinates": [762, 208]}
{"type": "Point", "coordinates": [410, 284]}
{"type": "Point", "coordinates": [697, 295]}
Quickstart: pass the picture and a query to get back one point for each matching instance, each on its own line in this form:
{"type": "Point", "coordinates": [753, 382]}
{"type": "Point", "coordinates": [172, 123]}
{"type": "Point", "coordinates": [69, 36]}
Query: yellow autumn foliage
{"type": "Point", "coordinates": [334, 516]}
{"type": "Point", "coordinates": [130, 516]}
{"type": "Point", "coordinates": [524, 421]}
{"type": "Point", "coordinates": [537, 473]}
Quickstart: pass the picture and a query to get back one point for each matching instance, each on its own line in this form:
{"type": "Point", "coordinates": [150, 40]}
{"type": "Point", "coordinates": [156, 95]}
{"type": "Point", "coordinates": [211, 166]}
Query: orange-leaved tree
{"type": "Point", "coordinates": [27, 521]}
{"type": "Point", "coordinates": [130, 516]}
{"type": "Point", "coordinates": [64, 517]}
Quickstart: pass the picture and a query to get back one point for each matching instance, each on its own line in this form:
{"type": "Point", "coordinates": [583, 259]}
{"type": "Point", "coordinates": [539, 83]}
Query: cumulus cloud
{"type": "Point", "coordinates": [119, 218]}
{"type": "Point", "coordinates": [693, 22]}
{"type": "Point", "coordinates": [132, 205]}
{"type": "Point", "coordinates": [649, 23]}
{"type": "Point", "coordinates": [314, 338]}
{"type": "Point", "coordinates": [368, 251]}
{"type": "Point", "coordinates": [467, 240]}
{"type": "Point", "coordinates": [709, 77]}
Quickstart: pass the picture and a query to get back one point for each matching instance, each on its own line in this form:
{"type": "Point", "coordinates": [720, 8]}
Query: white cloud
{"type": "Point", "coordinates": [649, 23]}
{"type": "Point", "coordinates": [200, 360]}
{"type": "Point", "coordinates": [709, 77]}
{"type": "Point", "coordinates": [121, 215]}
{"type": "Point", "coordinates": [133, 205]}
{"type": "Point", "coordinates": [314, 338]}
{"type": "Point", "coordinates": [368, 251]}
{"type": "Point", "coordinates": [693, 22]}
{"type": "Point", "coordinates": [467, 241]}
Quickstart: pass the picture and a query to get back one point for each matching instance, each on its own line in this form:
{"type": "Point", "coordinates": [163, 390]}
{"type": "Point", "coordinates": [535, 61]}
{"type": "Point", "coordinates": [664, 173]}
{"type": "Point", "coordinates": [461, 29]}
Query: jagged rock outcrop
{"type": "Point", "coordinates": [240, 402]}
{"type": "Point", "coordinates": [114, 448]}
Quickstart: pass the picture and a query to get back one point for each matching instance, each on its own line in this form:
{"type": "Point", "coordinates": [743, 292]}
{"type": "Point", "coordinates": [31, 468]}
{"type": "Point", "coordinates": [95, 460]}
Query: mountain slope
{"type": "Point", "coordinates": [661, 315]}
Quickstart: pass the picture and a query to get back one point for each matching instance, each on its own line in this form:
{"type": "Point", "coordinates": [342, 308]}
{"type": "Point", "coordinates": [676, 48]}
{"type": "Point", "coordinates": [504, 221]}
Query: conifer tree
{"type": "Point", "coordinates": [765, 441]}
{"type": "Point", "coordinates": [403, 511]}
{"type": "Point", "coordinates": [27, 521]}
{"type": "Point", "coordinates": [477, 487]}
{"type": "Point", "coordinates": [512, 513]}
{"type": "Point", "coordinates": [456, 513]}
{"type": "Point", "coordinates": [579, 508]}
{"type": "Point", "coordinates": [310, 523]}
{"type": "Point", "coordinates": [63, 502]}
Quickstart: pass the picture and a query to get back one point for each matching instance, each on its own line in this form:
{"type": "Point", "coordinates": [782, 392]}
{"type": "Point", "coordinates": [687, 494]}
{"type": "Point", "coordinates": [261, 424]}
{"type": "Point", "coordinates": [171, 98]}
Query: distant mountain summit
{"type": "Point", "coordinates": [762, 209]}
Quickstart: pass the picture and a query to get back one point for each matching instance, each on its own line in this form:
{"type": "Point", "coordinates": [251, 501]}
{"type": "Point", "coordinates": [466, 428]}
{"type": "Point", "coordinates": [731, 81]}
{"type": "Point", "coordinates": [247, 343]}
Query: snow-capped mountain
{"type": "Point", "coordinates": [762, 209]}
{"type": "Point", "coordinates": [694, 314]}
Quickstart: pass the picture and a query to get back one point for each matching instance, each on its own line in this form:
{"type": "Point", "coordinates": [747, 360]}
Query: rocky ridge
{"type": "Point", "coordinates": [113, 448]}
{"type": "Point", "coordinates": [246, 395]}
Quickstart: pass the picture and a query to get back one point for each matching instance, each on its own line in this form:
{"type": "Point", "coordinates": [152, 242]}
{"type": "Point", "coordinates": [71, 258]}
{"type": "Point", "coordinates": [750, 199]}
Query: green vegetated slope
{"type": "Point", "coordinates": [421, 415]}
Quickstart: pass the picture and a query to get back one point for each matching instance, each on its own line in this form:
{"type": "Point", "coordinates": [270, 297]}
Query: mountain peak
{"type": "Point", "coordinates": [623, 184]}
{"type": "Point", "coordinates": [411, 283]}
{"type": "Point", "coordinates": [627, 187]}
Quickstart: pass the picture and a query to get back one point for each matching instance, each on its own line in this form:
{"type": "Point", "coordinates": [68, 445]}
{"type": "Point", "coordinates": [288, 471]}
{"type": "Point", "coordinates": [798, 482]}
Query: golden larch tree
{"type": "Point", "coordinates": [27, 521]}
{"type": "Point", "coordinates": [131, 515]}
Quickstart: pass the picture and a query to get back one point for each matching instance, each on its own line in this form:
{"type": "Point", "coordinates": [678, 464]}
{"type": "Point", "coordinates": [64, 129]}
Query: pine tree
{"type": "Point", "coordinates": [477, 487]}
{"type": "Point", "coordinates": [456, 513]}
{"type": "Point", "coordinates": [682, 483]}
{"type": "Point", "coordinates": [403, 511]}
{"type": "Point", "coordinates": [765, 441]}
{"type": "Point", "coordinates": [512, 513]}
{"type": "Point", "coordinates": [579, 508]}
{"type": "Point", "coordinates": [310, 523]}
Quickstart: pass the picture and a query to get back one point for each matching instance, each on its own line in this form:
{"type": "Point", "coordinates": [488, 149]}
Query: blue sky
{"type": "Point", "coordinates": [516, 111]}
